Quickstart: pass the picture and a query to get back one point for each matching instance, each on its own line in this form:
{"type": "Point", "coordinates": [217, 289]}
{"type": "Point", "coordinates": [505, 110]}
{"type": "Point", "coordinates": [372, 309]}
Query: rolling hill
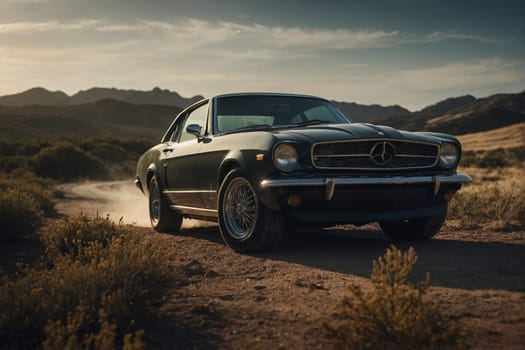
{"type": "Point", "coordinates": [512, 136]}
{"type": "Point", "coordinates": [369, 113]}
{"type": "Point", "coordinates": [43, 97]}
{"type": "Point", "coordinates": [39, 113]}
{"type": "Point", "coordinates": [102, 118]}
{"type": "Point", "coordinates": [157, 96]}
{"type": "Point", "coordinates": [483, 114]}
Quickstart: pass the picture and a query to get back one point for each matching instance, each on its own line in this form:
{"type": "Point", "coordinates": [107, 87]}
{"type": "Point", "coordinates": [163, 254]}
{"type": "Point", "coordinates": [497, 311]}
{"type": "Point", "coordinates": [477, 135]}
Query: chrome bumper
{"type": "Point", "coordinates": [331, 182]}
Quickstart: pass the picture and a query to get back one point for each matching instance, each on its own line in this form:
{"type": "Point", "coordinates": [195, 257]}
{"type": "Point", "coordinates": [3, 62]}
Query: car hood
{"type": "Point", "coordinates": [340, 132]}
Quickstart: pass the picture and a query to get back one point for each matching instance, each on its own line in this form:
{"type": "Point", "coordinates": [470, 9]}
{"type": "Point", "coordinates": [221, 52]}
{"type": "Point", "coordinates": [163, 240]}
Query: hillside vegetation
{"type": "Point", "coordinates": [102, 118]}
{"type": "Point", "coordinates": [512, 136]}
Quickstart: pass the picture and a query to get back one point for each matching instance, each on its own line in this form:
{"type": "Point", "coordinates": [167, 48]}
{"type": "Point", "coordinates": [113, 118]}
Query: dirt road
{"type": "Point", "coordinates": [277, 300]}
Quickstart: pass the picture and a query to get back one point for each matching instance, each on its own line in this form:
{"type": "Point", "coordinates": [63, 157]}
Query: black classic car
{"type": "Point", "coordinates": [258, 163]}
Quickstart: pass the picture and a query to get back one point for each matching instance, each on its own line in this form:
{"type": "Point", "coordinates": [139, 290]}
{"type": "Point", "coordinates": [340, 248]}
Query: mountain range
{"type": "Point", "coordinates": [464, 115]}
{"type": "Point", "coordinates": [43, 97]}
{"type": "Point", "coordinates": [146, 114]}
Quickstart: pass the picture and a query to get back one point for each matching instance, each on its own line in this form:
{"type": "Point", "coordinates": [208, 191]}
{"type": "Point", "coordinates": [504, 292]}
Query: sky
{"type": "Point", "coordinates": [411, 53]}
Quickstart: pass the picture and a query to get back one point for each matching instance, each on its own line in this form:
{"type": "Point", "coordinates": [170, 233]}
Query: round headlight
{"type": "Point", "coordinates": [285, 157]}
{"type": "Point", "coordinates": [448, 156]}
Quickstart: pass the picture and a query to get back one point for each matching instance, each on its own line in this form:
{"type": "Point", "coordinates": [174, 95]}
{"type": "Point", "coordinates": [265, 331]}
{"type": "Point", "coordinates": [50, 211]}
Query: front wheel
{"type": "Point", "coordinates": [244, 222]}
{"type": "Point", "coordinates": [162, 218]}
{"type": "Point", "coordinates": [415, 228]}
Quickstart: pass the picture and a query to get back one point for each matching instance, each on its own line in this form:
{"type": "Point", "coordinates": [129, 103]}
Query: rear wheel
{"type": "Point", "coordinates": [415, 228]}
{"type": "Point", "coordinates": [162, 218]}
{"type": "Point", "coordinates": [244, 222]}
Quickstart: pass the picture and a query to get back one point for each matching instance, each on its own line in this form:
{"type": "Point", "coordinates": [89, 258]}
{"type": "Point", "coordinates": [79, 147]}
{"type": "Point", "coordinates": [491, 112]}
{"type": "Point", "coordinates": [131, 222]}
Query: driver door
{"type": "Point", "coordinates": [180, 159]}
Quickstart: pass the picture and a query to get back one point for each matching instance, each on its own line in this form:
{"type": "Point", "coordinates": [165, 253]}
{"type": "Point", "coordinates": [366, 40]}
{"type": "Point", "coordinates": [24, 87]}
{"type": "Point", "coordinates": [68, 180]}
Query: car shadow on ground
{"type": "Point", "coordinates": [451, 263]}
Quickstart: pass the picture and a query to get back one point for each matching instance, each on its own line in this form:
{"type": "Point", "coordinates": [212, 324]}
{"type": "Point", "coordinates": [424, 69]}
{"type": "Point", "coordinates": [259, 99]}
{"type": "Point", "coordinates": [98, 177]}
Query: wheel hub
{"type": "Point", "coordinates": [240, 208]}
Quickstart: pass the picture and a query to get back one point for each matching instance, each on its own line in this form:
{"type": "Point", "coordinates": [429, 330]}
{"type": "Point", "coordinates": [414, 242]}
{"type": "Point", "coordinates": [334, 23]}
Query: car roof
{"type": "Point", "coordinates": [268, 94]}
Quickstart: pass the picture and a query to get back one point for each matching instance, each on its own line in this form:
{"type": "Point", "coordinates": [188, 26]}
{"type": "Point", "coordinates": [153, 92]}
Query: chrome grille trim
{"type": "Point", "coordinates": [419, 159]}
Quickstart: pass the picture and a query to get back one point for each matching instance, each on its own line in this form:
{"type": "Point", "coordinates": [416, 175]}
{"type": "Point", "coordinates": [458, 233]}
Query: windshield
{"type": "Point", "coordinates": [264, 112]}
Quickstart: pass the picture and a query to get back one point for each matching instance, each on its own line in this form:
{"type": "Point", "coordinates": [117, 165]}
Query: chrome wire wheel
{"type": "Point", "coordinates": [240, 208]}
{"type": "Point", "coordinates": [154, 203]}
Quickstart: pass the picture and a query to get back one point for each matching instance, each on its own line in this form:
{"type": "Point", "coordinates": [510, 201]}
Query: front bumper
{"type": "Point", "coordinates": [331, 182]}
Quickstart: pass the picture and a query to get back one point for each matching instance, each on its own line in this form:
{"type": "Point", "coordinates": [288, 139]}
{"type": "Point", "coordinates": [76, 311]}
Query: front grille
{"type": "Point", "coordinates": [374, 155]}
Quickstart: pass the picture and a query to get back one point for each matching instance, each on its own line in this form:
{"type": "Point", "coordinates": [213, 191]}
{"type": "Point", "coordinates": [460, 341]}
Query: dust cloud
{"type": "Point", "coordinates": [121, 201]}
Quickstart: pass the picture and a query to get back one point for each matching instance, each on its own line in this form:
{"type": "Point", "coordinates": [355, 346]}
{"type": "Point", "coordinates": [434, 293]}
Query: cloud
{"type": "Point", "coordinates": [440, 36]}
{"type": "Point", "coordinates": [26, 1]}
{"type": "Point", "coordinates": [205, 57]}
{"type": "Point", "coordinates": [465, 74]}
{"type": "Point", "coordinates": [23, 28]}
{"type": "Point", "coordinates": [230, 37]}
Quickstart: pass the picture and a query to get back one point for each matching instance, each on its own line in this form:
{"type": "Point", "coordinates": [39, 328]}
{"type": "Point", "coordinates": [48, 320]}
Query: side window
{"type": "Point", "coordinates": [175, 131]}
{"type": "Point", "coordinates": [197, 116]}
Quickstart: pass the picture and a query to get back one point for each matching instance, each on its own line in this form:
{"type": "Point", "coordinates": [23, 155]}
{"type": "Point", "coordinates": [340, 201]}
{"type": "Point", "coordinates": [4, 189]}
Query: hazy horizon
{"type": "Point", "coordinates": [410, 53]}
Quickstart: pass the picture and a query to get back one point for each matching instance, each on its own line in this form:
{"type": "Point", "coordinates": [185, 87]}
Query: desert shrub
{"type": "Point", "coordinates": [394, 314]}
{"type": "Point", "coordinates": [109, 152]}
{"type": "Point", "coordinates": [468, 158]}
{"type": "Point", "coordinates": [66, 161]}
{"type": "Point", "coordinates": [495, 158]}
{"type": "Point", "coordinates": [501, 203]}
{"type": "Point", "coordinates": [119, 280]}
{"type": "Point", "coordinates": [70, 235]}
{"type": "Point", "coordinates": [43, 194]}
{"type": "Point", "coordinates": [70, 334]}
{"type": "Point", "coordinates": [20, 214]}
{"type": "Point", "coordinates": [109, 148]}
{"type": "Point", "coordinates": [8, 164]}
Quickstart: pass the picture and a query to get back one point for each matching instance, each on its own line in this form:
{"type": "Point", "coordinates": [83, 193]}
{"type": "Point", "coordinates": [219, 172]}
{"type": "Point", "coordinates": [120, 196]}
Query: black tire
{"type": "Point", "coordinates": [246, 225]}
{"type": "Point", "coordinates": [162, 218]}
{"type": "Point", "coordinates": [414, 229]}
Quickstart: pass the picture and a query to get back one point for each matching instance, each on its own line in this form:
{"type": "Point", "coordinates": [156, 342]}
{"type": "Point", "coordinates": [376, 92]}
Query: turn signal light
{"type": "Point", "coordinates": [294, 200]}
{"type": "Point", "coordinates": [448, 196]}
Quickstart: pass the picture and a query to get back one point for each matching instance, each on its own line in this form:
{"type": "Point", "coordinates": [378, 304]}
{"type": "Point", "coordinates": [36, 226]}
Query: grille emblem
{"type": "Point", "coordinates": [382, 153]}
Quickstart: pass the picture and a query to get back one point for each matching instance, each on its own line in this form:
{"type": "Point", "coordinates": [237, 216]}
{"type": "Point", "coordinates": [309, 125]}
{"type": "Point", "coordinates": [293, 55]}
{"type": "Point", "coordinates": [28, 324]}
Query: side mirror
{"type": "Point", "coordinates": [194, 129]}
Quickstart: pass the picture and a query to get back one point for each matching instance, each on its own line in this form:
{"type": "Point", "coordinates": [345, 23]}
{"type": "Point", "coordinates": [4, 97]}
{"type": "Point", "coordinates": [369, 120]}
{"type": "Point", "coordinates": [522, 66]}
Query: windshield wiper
{"type": "Point", "coordinates": [254, 127]}
{"type": "Point", "coordinates": [312, 122]}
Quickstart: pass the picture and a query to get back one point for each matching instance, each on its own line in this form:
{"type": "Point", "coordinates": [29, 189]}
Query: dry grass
{"type": "Point", "coordinates": [69, 236]}
{"type": "Point", "coordinates": [495, 198]}
{"type": "Point", "coordinates": [512, 136]}
{"type": "Point", "coordinates": [94, 291]}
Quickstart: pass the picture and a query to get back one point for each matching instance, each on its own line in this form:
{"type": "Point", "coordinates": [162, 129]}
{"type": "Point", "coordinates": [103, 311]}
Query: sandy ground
{"type": "Point", "coordinates": [225, 300]}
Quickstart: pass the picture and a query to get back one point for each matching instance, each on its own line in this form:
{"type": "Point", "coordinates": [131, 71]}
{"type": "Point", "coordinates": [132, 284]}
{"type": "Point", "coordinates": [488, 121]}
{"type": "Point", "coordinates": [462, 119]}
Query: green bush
{"type": "Point", "coordinates": [71, 159]}
{"type": "Point", "coordinates": [20, 214]}
{"type": "Point", "coordinates": [110, 153]}
{"type": "Point", "coordinates": [108, 286]}
{"type": "Point", "coordinates": [66, 161]}
{"type": "Point", "coordinates": [395, 313]}
{"type": "Point", "coordinates": [8, 164]}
